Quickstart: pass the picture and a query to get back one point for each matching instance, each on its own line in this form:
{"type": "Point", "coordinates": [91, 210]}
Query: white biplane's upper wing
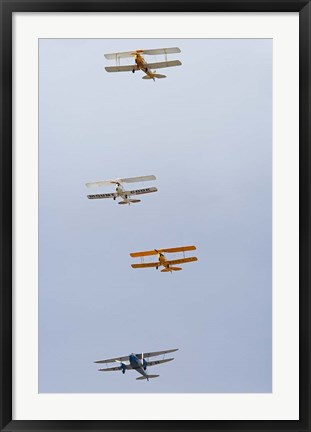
{"type": "Point", "coordinates": [120, 180]}
{"type": "Point", "coordinates": [155, 353]}
{"type": "Point", "coordinates": [102, 196]}
{"type": "Point", "coordinates": [164, 64]}
{"type": "Point", "coordinates": [137, 179]}
{"type": "Point", "coordinates": [115, 359]}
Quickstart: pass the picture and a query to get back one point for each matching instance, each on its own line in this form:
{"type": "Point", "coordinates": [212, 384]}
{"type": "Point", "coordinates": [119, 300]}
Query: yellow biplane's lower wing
{"type": "Point", "coordinates": [164, 64]}
{"type": "Point", "coordinates": [145, 265]}
{"type": "Point", "coordinates": [182, 260]}
{"type": "Point", "coordinates": [127, 68]}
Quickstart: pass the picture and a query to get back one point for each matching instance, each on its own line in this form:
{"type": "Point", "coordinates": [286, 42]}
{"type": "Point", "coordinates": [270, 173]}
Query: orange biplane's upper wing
{"type": "Point", "coordinates": [178, 249]}
{"type": "Point", "coordinates": [144, 253]}
{"type": "Point", "coordinates": [145, 265]}
{"type": "Point", "coordinates": [182, 260]}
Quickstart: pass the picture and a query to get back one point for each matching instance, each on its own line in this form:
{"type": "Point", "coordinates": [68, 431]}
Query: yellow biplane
{"type": "Point", "coordinates": [140, 62]}
{"type": "Point", "coordinates": [162, 261]}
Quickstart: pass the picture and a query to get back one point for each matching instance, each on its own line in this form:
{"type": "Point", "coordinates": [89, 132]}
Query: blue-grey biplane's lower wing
{"type": "Point", "coordinates": [156, 362]}
{"type": "Point", "coordinates": [116, 368]}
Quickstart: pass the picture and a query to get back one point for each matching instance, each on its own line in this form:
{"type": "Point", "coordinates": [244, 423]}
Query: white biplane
{"type": "Point", "coordinates": [137, 362]}
{"type": "Point", "coordinates": [140, 62]}
{"type": "Point", "coordinates": [120, 191]}
{"type": "Point", "coordinates": [169, 265]}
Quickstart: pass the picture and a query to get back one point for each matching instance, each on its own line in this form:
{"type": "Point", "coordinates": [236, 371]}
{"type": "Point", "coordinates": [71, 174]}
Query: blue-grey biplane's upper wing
{"type": "Point", "coordinates": [155, 353]}
{"type": "Point", "coordinates": [115, 359]}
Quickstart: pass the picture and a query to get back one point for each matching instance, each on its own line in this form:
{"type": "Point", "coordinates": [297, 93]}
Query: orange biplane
{"type": "Point", "coordinates": [169, 265]}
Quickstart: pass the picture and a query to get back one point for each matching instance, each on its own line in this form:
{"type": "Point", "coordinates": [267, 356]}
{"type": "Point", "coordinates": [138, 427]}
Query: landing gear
{"type": "Point", "coordinates": [114, 198]}
{"type": "Point", "coordinates": [157, 267]}
{"type": "Point", "coordinates": [133, 70]}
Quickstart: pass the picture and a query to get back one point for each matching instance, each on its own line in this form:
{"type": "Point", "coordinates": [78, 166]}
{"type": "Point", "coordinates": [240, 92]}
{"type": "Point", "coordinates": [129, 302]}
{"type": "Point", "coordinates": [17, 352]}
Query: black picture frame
{"type": "Point", "coordinates": [10, 6]}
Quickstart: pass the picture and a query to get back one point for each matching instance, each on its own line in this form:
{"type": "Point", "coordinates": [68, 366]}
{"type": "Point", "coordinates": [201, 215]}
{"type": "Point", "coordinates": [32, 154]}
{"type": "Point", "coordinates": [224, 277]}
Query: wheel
{"type": "Point", "coordinates": [157, 267]}
{"type": "Point", "coordinates": [133, 70]}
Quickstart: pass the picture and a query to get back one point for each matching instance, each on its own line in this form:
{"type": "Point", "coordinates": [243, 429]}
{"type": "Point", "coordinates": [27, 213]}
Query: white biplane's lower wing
{"type": "Point", "coordinates": [102, 196]}
{"type": "Point", "coordinates": [127, 68]}
{"type": "Point", "coordinates": [141, 191]}
{"type": "Point", "coordinates": [155, 353]}
{"type": "Point", "coordinates": [164, 64]}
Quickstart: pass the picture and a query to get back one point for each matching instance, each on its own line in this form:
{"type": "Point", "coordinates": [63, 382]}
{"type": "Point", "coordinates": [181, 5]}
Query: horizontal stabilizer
{"type": "Point", "coordinates": [146, 77]}
{"type": "Point", "coordinates": [148, 376]}
{"type": "Point", "coordinates": [169, 269]}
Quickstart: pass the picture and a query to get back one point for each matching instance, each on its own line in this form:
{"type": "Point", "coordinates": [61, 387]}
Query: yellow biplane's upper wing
{"type": "Point", "coordinates": [164, 64]}
{"type": "Point", "coordinates": [144, 253]}
{"type": "Point", "coordinates": [145, 265]}
{"type": "Point", "coordinates": [127, 54]}
{"type": "Point", "coordinates": [182, 260]}
{"type": "Point", "coordinates": [127, 68]}
{"type": "Point", "coordinates": [178, 249]}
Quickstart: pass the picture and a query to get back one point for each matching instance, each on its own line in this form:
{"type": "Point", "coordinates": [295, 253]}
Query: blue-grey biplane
{"type": "Point", "coordinates": [137, 362]}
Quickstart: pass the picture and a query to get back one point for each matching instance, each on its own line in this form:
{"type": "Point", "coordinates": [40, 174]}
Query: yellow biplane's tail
{"type": "Point", "coordinates": [154, 76]}
{"type": "Point", "coordinates": [168, 269]}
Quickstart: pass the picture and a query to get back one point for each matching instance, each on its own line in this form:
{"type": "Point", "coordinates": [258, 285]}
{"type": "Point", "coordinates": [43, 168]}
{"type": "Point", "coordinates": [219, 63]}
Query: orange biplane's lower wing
{"type": "Point", "coordinates": [145, 265]}
{"type": "Point", "coordinates": [178, 249]}
{"type": "Point", "coordinates": [182, 260]}
{"type": "Point", "coordinates": [144, 253]}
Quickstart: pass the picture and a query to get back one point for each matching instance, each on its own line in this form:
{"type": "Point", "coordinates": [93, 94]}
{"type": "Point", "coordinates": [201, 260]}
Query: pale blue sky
{"type": "Point", "coordinates": [206, 133]}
